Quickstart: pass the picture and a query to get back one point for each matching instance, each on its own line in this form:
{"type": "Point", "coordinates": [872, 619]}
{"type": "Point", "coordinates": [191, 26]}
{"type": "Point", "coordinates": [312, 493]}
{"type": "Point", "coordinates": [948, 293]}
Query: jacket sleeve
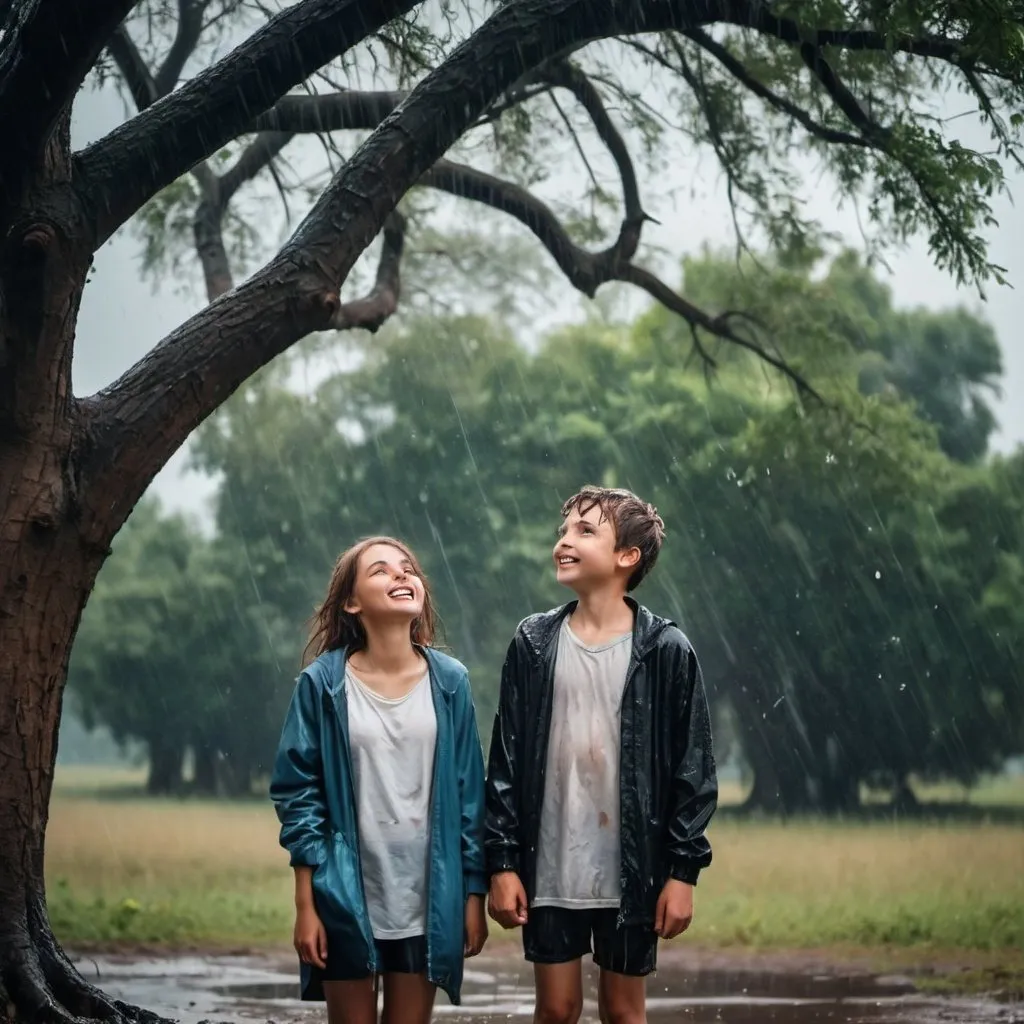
{"type": "Point", "coordinates": [296, 784]}
{"type": "Point", "coordinates": [501, 830]}
{"type": "Point", "coordinates": [469, 764]}
{"type": "Point", "coordinates": [694, 780]}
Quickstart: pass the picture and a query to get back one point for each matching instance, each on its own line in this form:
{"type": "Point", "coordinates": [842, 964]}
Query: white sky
{"type": "Point", "coordinates": [122, 317]}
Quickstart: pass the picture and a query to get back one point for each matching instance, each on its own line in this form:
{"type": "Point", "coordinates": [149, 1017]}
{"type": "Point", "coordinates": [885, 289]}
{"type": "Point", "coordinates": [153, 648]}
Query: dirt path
{"type": "Point", "coordinates": [694, 986]}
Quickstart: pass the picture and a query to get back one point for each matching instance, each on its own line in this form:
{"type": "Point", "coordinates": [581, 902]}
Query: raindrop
{"type": "Point", "coordinates": [878, 574]}
{"type": "Point", "coordinates": [903, 686]}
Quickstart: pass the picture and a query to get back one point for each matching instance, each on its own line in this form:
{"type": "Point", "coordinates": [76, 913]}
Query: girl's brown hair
{"type": "Point", "coordinates": [332, 627]}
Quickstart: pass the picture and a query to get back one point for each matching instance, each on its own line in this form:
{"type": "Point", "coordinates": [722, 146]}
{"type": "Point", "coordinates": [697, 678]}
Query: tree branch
{"type": "Point", "coordinates": [120, 172]}
{"type": "Point", "coordinates": [740, 72]}
{"type": "Point", "coordinates": [570, 77]}
{"type": "Point", "coordinates": [372, 310]}
{"type": "Point", "coordinates": [715, 325]}
{"type": "Point", "coordinates": [332, 112]}
{"type": "Point", "coordinates": [133, 69]}
{"type": "Point", "coordinates": [257, 155]}
{"type": "Point", "coordinates": [586, 270]}
{"type": "Point", "coordinates": [44, 58]}
{"type": "Point", "coordinates": [190, 27]}
{"type": "Point", "coordinates": [758, 15]}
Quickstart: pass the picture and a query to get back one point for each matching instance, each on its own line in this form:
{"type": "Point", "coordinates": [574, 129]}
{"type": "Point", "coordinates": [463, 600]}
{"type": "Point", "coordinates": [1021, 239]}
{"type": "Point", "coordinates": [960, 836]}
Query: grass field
{"type": "Point", "coordinates": [202, 874]}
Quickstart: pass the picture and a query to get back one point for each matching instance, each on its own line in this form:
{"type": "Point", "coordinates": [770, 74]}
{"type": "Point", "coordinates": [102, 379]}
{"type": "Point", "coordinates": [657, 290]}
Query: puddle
{"type": "Point", "coordinates": [247, 989]}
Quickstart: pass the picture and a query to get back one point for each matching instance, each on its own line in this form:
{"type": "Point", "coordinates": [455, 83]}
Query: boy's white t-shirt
{"type": "Point", "coordinates": [579, 850]}
{"type": "Point", "coordinates": [392, 743]}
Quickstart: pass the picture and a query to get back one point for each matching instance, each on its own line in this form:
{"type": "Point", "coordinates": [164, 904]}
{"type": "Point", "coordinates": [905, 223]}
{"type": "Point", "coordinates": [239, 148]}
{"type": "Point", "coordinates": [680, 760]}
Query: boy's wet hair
{"type": "Point", "coordinates": [636, 523]}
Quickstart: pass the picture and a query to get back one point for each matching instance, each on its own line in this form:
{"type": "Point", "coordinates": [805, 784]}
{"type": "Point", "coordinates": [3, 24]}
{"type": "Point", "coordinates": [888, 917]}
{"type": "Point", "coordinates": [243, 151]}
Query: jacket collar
{"type": "Point", "coordinates": [329, 669]}
{"type": "Point", "coordinates": [541, 631]}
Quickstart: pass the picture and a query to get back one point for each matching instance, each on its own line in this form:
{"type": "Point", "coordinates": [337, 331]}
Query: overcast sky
{"type": "Point", "coordinates": [122, 317]}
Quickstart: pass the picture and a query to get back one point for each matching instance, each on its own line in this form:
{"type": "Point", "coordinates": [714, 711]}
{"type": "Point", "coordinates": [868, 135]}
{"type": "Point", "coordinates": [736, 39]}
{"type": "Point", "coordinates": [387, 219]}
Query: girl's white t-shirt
{"type": "Point", "coordinates": [392, 743]}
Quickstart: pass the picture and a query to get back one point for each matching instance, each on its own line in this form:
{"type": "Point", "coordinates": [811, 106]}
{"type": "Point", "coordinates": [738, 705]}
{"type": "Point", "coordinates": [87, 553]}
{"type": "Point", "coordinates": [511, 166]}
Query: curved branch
{"type": "Point", "coordinates": [586, 271]}
{"type": "Point", "coordinates": [120, 172]}
{"type": "Point", "coordinates": [568, 76]}
{"type": "Point", "coordinates": [371, 311]}
{"type": "Point", "coordinates": [44, 58]}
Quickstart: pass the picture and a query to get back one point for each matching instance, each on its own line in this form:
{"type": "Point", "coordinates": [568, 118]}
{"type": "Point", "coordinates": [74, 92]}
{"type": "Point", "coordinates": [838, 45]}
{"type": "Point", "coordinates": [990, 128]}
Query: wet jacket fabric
{"type": "Point", "coordinates": [313, 794]}
{"type": "Point", "coordinates": [668, 785]}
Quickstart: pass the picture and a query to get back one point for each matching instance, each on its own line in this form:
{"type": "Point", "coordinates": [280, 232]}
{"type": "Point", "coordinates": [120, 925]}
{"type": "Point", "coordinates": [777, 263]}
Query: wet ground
{"type": "Point", "coordinates": [692, 989]}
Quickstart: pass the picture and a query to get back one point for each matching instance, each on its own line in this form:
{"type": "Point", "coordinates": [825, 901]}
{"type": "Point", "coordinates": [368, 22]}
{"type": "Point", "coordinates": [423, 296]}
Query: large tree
{"type": "Point", "coordinates": [850, 81]}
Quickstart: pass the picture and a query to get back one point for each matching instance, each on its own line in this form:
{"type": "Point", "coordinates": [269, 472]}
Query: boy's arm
{"type": "Point", "coordinates": [296, 784]}
{"type": "Point", "coordinates": [469, 764]}
{"type": "Point", "coordinates": [501, 830]}
{"type": "Point", "coordinates": [694, 782]}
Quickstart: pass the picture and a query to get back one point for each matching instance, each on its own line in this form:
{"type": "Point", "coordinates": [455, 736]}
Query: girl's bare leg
{"type": "Point", "coordinates": [351, 1002]}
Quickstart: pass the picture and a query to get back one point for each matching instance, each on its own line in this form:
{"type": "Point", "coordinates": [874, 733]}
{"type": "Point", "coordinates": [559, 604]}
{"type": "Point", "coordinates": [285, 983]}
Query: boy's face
{"type": "Point", "coordinates": [585, 555]}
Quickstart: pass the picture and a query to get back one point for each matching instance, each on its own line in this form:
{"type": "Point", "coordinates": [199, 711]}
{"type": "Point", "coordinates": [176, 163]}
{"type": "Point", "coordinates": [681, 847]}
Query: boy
{"type": "Point", "coordinates": [601, 778]}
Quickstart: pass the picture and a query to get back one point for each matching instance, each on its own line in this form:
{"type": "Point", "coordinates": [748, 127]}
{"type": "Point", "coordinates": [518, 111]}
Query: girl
{"type": "Point", "coordinates": [379, 784]}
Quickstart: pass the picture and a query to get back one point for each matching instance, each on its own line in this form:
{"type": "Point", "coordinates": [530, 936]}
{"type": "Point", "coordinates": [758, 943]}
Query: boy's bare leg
{"type": "Point", "coordinates": [408, 999]}
{"type": "Point", "coordinates": [621, 998]}
{"type": "Point", "coordinates": [351, 1002]}
{"type": "Point", "coordinates": [559, 992]}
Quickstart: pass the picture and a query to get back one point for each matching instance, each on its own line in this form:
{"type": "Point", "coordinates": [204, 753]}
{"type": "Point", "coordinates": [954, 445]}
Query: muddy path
{"type": "Point", "coordinates": [695, 988]}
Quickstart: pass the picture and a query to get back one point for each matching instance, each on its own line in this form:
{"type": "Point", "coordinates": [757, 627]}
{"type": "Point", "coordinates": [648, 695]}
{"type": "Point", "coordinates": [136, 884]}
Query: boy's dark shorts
{"type": "Point", "coordinates": [554, 935]}
{"type": "Point", "coordinates": [395, 956]}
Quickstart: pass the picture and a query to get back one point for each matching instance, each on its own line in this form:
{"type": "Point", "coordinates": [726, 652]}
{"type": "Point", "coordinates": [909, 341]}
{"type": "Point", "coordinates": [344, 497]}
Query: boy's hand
{"type": "Point", "coordinates": [310, 937]}
{"type": "Point", "coordinates": [675, 909]}
{"type": "Point", "coordinates": [506, 902]}
{"type": "Point", "coordinates": [476, 925]}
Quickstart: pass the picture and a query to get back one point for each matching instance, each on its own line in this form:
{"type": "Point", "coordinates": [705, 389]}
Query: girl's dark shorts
{"type": "Point", "coordinates": [395, 956]}
{"type": "Point", "coordinates": [554, 935]}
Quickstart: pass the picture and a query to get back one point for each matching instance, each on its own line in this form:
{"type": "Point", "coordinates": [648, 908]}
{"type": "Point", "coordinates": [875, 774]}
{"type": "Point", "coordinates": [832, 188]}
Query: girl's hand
{"type": "Point", "coordinates": [310, 937]}
{"type": "Point", "coordinates": [476, 925]}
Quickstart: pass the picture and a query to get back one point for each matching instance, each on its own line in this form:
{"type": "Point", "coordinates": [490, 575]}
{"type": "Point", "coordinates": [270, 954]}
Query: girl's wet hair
{"type": "Point", "coordinates": [332, 627]}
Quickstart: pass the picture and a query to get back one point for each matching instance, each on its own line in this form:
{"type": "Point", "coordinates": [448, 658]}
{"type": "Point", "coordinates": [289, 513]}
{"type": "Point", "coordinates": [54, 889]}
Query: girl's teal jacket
{"type": "Point", "coordinates": [312, 790]}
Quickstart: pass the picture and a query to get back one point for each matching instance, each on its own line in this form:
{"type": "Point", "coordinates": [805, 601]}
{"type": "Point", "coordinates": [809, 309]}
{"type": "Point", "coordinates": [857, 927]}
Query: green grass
{"type": "Point", "coordinates": [191, 873]}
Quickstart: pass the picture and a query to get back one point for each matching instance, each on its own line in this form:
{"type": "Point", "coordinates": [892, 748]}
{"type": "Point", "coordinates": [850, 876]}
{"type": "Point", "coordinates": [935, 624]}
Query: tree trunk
{"type": "Point", "coordinates": [45, 575]}
{"type": "Point", "coordinates": [51, 548]}
{"type": "Point", "coordinates": [205, 769]}
{"type": "Point", "coordinates": [165, 764]}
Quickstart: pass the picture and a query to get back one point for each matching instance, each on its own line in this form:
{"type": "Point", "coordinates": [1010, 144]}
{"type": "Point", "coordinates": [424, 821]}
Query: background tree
{"type": "Point", "coordinates": [845, 81]}
{"type": "Point", "coordinates": [851, 590]}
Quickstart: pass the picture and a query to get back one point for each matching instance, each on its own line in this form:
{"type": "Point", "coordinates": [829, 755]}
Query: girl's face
{"type": "Point", "coordinates": [386, 586]}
